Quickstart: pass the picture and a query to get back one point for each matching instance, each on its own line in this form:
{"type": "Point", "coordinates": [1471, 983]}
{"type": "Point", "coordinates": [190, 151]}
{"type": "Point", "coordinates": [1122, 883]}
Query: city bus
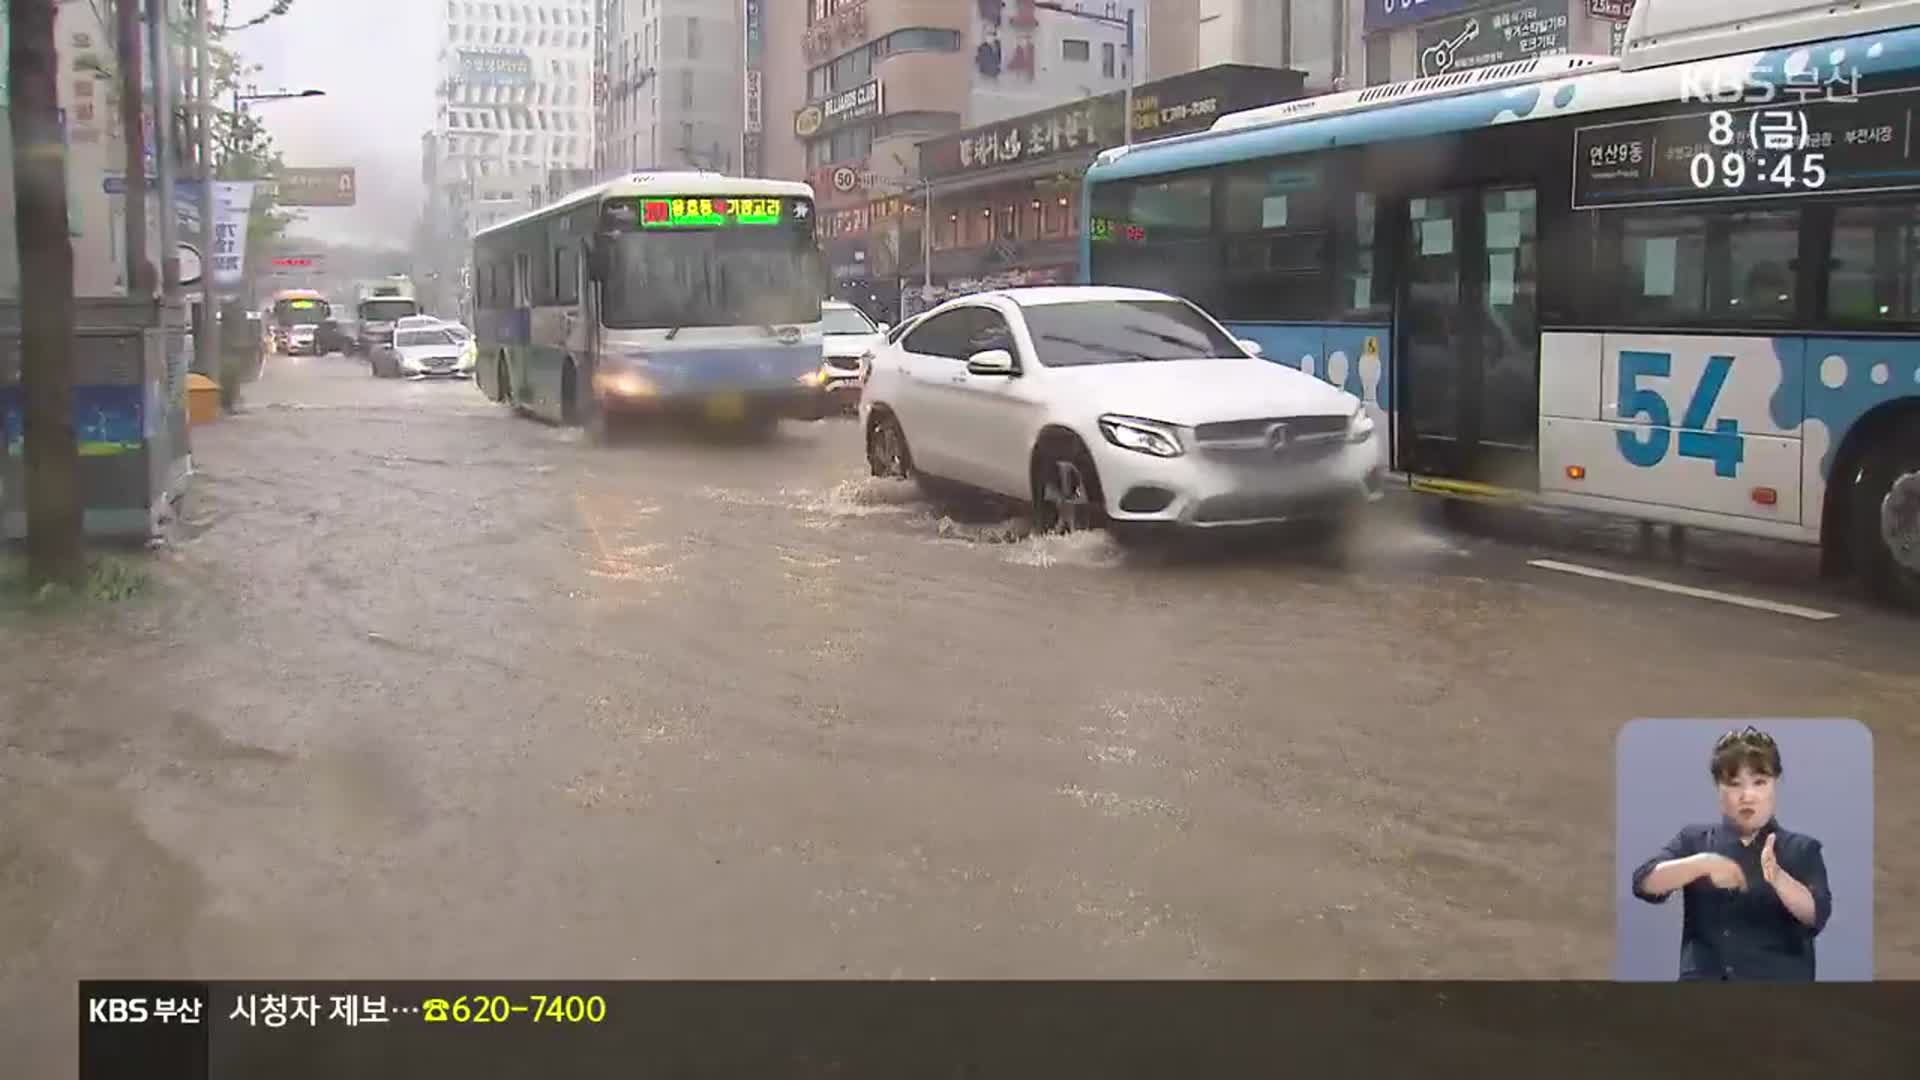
{"type": "Point", "coordinates": [1682, 285]}
{"type": "Point", "coordinates": [668, 291]}
{"type": "Point", "coordinates": [295, 307]}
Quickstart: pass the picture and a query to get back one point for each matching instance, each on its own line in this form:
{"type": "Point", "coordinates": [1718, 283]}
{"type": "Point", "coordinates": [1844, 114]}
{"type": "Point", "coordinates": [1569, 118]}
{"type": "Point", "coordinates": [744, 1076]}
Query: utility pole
{"type": "Point", "coordinates": [207, 342]}
{"type": "Point", "coordinates": [160, 45]}
{"type": "Point", "coordinates": [134, 127]}
{"type": "Point", "coordinates": [46, 296]}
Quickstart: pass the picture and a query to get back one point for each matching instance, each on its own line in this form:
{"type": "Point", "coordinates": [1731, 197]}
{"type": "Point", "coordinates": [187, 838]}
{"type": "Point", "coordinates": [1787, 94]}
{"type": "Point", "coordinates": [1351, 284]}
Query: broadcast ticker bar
{"type": "Point", "coordinates": [900, 1030]}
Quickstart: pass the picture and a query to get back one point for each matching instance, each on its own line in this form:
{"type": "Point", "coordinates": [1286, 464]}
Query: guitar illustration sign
{"type": "Point", "coordinates": [1437, 58]}
{"type": "Point", "coordinates": [1502, 35]}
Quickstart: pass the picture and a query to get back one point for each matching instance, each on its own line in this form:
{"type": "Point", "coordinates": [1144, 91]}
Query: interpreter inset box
{"type": "Point", "coordinates": [1743, 850]}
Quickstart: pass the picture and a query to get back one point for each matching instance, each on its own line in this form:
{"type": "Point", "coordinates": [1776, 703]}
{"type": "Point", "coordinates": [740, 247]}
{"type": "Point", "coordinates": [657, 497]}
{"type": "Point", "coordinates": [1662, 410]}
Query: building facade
{"type": "Point", "coordinates": [849, 89]}
{"type": "Point", "coordinates": [671, 86]}
{"type": "Point", "coordinates": [515, 108]}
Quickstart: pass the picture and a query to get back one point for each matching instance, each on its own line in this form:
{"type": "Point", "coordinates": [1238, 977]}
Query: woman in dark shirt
{"type": "Point", "coordinates": [1755, 895]}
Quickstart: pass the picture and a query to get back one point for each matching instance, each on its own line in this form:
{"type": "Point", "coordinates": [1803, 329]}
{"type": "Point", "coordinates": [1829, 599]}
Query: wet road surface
{"type": "Point", "coordinates": [432, 690]}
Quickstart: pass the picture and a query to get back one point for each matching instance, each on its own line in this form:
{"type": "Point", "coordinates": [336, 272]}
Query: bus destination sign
{"type": "Point", "coordinates": [1748, 152]}
{"type": "Point", "coordinates": [715, 213]}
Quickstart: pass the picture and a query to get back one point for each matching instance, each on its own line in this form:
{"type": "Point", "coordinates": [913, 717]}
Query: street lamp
{"type": "Point", "coordinates": [1132, 68]}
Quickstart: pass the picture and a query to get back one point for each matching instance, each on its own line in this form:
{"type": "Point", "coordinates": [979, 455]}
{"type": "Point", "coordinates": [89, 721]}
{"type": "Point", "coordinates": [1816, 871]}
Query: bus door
{"type": "Point", "coordinates": [1468, 333]}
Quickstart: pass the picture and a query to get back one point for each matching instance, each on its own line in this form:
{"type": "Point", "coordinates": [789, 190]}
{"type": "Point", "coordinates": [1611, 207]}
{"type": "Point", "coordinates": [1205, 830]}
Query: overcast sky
{"type": "Point", "coordinates": [375, 60]}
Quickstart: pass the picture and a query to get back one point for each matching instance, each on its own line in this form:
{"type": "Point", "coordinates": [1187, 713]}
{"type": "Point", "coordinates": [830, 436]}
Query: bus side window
{"type": "Point", "coordinates": [1652, 266]}
{"type": "Point", "coordinates": [522, 285]}
{"type": "Point", "coordinates": [1870, 269]}
{"type": "Point", "coordinates": [566, 273]}
{"type": "Point", "coordinates": [1361, 287]}
{"type": "Point", "coordinates": [1276, 224]}
{"type": "Point", "coordinates": [1698, 266]}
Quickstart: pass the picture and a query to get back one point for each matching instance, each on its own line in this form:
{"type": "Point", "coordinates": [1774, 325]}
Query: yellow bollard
{"type": "Point", "coordinates": [203, 400]}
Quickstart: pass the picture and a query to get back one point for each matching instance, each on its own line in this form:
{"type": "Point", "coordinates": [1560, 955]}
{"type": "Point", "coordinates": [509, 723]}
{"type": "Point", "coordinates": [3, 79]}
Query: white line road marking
{"type": "Point", "coordinates": [1686, 590]}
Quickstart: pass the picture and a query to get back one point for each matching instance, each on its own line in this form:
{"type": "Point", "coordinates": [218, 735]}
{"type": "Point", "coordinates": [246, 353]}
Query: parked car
{"type": "Point", "coordinates": [1112, 407]}
{"type": "Point", "coordinates": [847, 335]}
{"type": "Point", "coordinates": [422, 352]}
{"type": "Point", "coordinates": [302, 339]}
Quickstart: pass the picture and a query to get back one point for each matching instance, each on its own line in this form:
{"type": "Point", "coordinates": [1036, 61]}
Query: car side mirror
{"type": "Point", "coordinates": [991, 362]}
{"type": "Point", "coordinates": [1251, 346]}
{"type": "Point", "coordinates": [881, 328]}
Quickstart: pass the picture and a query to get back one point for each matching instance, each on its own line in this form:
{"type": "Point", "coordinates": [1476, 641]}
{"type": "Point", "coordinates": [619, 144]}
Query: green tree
{"type": "Point", "coordinates": [242, 147]}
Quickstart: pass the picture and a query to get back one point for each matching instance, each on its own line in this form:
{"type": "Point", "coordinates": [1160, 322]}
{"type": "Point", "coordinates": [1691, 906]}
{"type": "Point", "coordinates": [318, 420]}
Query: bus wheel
{"type": "Point", "coordinates": [1885, 531]}
{"type": "Point", "coordinates": [502, 384]}
{"type": "Point", "coordinates": [569, 398]}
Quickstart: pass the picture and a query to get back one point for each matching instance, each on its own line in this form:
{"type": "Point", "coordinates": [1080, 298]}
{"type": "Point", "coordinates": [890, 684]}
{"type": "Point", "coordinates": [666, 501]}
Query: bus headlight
{"type": "Point", "coordinates": [622, 384]}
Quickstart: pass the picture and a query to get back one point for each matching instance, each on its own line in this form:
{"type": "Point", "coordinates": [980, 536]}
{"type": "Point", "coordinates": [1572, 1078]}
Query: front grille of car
{"type": "Point", "coordinates": [1263, 507]}
{"type": "Point", "coordinates": [1298, 427]}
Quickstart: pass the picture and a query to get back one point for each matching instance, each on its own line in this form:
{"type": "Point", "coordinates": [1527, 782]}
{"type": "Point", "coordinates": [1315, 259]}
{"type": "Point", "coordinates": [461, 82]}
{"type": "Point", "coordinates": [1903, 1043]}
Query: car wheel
{"type": "Point", "coordinates": [1885, 531]}
{"type": "Point", "coordinates": [1066, 490]}
{"type": "Point", "coordinates": [887, 453]}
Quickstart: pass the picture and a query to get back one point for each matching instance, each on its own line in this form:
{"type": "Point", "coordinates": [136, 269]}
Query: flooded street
{"type": "Point", "coordinates": [428, 689]}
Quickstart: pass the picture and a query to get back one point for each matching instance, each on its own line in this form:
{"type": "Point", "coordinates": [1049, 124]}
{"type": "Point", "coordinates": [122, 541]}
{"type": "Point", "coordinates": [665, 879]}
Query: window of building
{"type": "Point", "coordinates": [693, 38]}
{"type": "Point", "coordinates": [1106, 60]}
{"type": "Point", "coordinates": [686, 88]}
{"type": "Point", "coordinates": [977, 226]}
{"type": "Point", "coordinates": [1075, 49]}
{"type": "Point", "coordinates": [1379, 59]}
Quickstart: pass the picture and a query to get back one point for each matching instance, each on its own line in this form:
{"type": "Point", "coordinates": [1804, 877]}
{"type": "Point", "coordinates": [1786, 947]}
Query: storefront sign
{"type": "Point", "coordinates": [1150, 117]}
{"type": "Point", "coordinates": [1183, 103]}
{"type": "Point", "coordinates": [486, 68]}
{"type": "Point", "coordinates": [1389, 14]}
{"type": "Point", "coordinates": [1081, 127]}
{"type": "Point", "coordinates": [807, 121]}
{"type": "Point", "coordinates": [854, 222]}
{"type": "Point", "coordinates": [1493, 36]}
{"type": "Point", "coordinates": [1617, 10]}
{"type": "Point", "coordinates": [752, 22]}
{"type": "Point", "coordinates": [860, 103]}
{"type": "Point", "coordinates": [752, 99]}
{"type": "Point", "coordinates": [1617, 39]}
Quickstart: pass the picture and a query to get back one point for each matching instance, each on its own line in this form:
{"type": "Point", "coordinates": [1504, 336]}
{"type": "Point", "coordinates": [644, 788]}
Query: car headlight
{"type": "Point", "coordinates": [816, 377]}
{"type": "Point", "coordinates": [1144, 436]}
{"type": "Point", "coordinates": [1360, 426]}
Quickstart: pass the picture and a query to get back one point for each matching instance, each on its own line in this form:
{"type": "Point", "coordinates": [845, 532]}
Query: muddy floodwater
{"type": "Point", "coordinates": [427, 689]}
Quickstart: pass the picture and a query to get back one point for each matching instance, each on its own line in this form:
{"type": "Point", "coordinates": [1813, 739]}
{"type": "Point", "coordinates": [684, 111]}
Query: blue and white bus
{"type": "Point", "coordinates": [654, 292]}
{"type": "Point", "coordinates": [1682, 285]}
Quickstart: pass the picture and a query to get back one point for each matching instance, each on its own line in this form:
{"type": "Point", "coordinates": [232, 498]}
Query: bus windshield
{"type": "Point", "coordinates": [388, 309]}
{"type": "Point", "coordinates": [711, 278]}
{"type": "Point", "coordinates": [302, 312]}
